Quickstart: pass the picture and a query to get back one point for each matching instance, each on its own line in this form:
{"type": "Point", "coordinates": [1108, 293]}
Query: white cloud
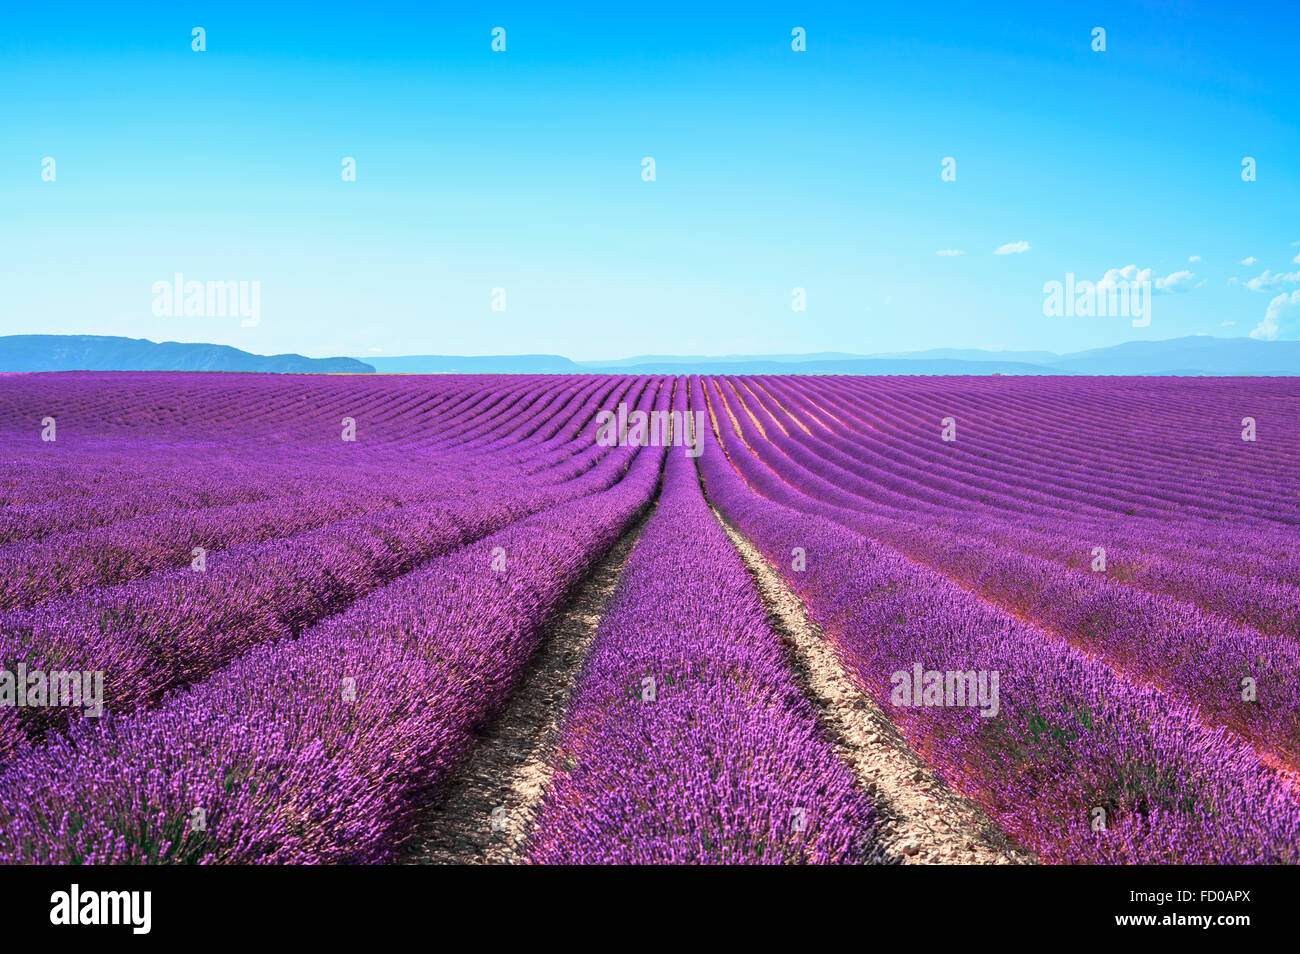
{"type": "Point", "coordinates": [1296, 259]}
{"type": "Point", "coordinates": [1227, 324]}
{"type": "Point", "coordinates": [1248, 260]}
{"type": "Point", "coordinates": [1271, 281]}
{"type": "Point", "coordinates": [1193, 258]}
{"type": "Point", "coordinates": [1282, 320]}
{"type": "Point", "coordinates": [1012, 248]}
{"type": "Point", "coordinates": [950, 251]}
{"type": "Point", "coordinates": [1173, 282]}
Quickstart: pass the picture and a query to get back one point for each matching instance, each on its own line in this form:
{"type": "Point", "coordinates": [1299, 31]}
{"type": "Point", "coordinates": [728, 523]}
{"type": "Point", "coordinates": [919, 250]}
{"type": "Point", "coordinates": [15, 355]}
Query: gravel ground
{"type": "Point", "coordinates": [485, 815]}
{"type": "Point", "coordinates": [926, 821]}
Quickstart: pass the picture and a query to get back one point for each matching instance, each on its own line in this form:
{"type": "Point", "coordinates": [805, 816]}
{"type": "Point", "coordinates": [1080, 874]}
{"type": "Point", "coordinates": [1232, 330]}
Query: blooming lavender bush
{"type": "Point", "coordinates": [688, 740]}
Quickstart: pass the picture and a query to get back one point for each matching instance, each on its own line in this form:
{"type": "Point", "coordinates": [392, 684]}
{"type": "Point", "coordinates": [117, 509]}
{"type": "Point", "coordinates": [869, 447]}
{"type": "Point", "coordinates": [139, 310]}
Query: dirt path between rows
{"type": "Point", "coordinates": [485, 815]}
{"type": "Point", "coordinates": [926, 822]}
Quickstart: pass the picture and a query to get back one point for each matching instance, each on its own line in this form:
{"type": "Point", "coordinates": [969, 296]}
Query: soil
{"type": "Point", "coordinates": [926, 821]}
{"type": "Point", "coordinates": [485, 815]}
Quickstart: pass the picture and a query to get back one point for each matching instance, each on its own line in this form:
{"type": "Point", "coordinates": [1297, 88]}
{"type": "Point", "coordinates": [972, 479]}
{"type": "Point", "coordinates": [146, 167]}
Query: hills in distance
{"type": "Point", "coordinates": [1195, 355]}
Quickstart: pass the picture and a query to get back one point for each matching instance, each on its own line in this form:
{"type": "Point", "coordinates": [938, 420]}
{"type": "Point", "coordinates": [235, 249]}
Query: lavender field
{"type": "Point", "coordinates": [545, 619]}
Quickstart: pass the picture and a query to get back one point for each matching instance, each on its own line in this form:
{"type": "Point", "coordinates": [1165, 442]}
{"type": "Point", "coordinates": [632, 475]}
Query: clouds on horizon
{"type": "Point", "coordinates": [1173, 282]}
{"type": "Point", "coordinates": [1268, 280]}
{"type": "Point", "coordinates": [1281, 320]}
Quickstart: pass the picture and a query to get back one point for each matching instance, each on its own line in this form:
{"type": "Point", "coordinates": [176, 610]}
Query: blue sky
{"type": "Point", "coordinates": [522, 170]}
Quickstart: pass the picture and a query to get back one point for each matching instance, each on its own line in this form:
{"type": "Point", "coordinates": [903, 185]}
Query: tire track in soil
{"type": "Point", "coordinates": [510, 767]}
{"type": "Point", "coordinates": [924, 820]}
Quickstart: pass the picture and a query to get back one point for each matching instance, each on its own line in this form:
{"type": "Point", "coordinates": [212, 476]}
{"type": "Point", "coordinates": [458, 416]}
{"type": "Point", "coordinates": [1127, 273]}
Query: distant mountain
{"type": "Point", "coordinates": [653, 359]}
{"type": "Point", "coordinates": [857, 365]}
{"type": "Point", "coordinates": [477, 364]}
{"type": "Point", "coordinates": [1190, 356]}
{"type": "Point", "coordinates": [975, 354]}
{"type": "Point", "coordinates": [107, 353]}
{"type": "Point", "coordinates": [826, 363]}
{"type": "Point", "coordinates": [1199, 354]}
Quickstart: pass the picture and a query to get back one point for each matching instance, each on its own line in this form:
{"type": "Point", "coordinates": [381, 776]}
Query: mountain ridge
{"type": "Point", "coordinates": [1186, 356]}
{"type": "Point", "coordinates": [27, 353]}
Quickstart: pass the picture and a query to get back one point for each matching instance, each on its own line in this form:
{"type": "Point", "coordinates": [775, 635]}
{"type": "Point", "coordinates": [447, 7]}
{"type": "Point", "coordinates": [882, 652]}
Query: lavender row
{"type": "Point", "coordinates": [177, 627]}
{"type": "Point", "coordinates": [688, 740]}
{"type": "Point", "coordinates": [990, 476]}
{"type": "Point", "coordinates": [1007, 474]}
{"type": "Point", "coordinates": [1269, 604]}
{"type": "Point", "coordinates": [1250, 595]}
{"type": "Point", "coordinates": [324, 749]}
{"type": "Point", "coordinates": [1072, 760]}
{"type": "Point", "coordinates": [1067, 443]}
{"type": "Point", "coordinates": [39, 571]}
{"type": "Point", "coordinates": [1232, 676]}
{"type": "Point", "coordinates": [1267, 598]}
{"type": "Point", "coordinates": [36, 572]}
